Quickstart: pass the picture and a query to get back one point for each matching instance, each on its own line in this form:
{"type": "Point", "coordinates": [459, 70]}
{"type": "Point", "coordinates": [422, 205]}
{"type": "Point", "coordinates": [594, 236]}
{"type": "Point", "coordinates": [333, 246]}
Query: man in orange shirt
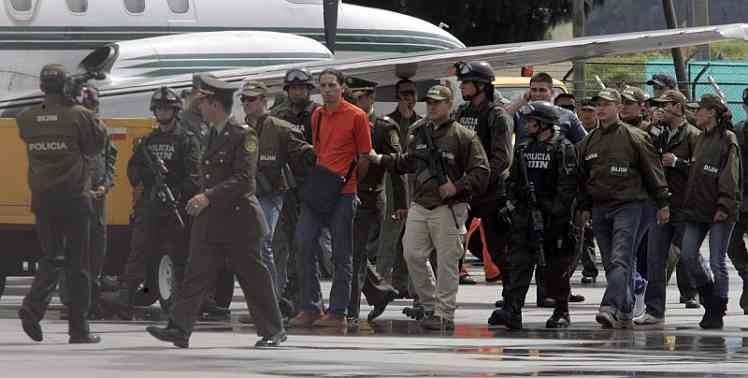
{"type": "Point", "coordinates": [342, 141]}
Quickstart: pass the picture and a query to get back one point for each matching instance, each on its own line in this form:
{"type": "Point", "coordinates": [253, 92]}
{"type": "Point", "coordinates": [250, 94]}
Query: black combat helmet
{"type": "Point", "coordinates": [298, 76]}
{"type": "Point", "coordinates": [52, 78]}
{"type": "Point", "coordinates": [165, 97]}
{"type": "Point", "coordinates": [542, 111]}
{"type": "Point", "coordinates": [479, 72]}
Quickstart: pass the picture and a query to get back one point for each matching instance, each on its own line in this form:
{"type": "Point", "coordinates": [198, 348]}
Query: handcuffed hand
{"type": "Point", "coordinates": [197, 204]}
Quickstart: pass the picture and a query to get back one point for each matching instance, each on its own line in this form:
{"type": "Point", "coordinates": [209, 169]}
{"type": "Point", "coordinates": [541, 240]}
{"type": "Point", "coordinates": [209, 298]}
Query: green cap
{"type": "Point", "coordinates": [607, 94]}
{"type": "Point", "coordinates": [438, 93]}
{"type": "Point", "coordinates": [254, 89]}
{"type": "Point", "coordinates": [212, 86]}
{"type": "Point", "coordinates": [359, 86]}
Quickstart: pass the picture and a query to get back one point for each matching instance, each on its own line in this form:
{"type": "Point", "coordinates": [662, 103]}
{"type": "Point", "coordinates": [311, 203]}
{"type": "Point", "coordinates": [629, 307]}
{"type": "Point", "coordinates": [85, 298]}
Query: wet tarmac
{"type": "Point", "coordinates": [393, 346]}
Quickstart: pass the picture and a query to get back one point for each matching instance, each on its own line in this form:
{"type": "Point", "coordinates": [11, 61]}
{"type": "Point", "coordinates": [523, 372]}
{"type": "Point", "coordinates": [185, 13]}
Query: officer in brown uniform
{"type": "Point", "coordinates": [61, 139]}
{"type": "Point", "coordinates": [278, 146]}
{"type": "Point", "coordinates": [619, 170]}
{"type": "Point", "coordinates": [228, 222]}
{"type": "Point", "coordinates": [385, 138]}
{"type": "Point", "coordinates": [713, 196]}
{"type": "Point", "coordinates": [450, 167]}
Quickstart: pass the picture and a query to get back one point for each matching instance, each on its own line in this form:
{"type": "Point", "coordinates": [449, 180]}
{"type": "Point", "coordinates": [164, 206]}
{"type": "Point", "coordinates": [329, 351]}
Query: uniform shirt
{"type": "Point", "coordinates": [618, 164]}
{"type": "Point", "coordinates": [714, 178]}
{"type": "Point", "coordinates": [466, 162]}
{"type": "Point", "coordinates": [496, 139]}
{"type": "Point", "coordinates": [180, 152]}
{"type": "Point", "coordinates": [385, 138]}
{"type": "Point", "coordinates": [60, 139]}
{"type": "Point", "coordinates": [344, 135]}
{"type": "Point", "coordinates": [278, 146]}
{"type": "Point", "coordinates": [568, 122]}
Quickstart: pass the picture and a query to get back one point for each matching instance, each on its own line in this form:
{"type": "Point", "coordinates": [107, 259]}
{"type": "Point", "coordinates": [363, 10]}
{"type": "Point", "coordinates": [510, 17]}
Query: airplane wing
{"type": "Point", "coordinates": [436, 64]}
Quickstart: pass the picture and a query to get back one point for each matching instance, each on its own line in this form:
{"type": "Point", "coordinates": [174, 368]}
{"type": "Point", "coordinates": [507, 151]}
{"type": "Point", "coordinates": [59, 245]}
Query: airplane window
{"type": "Point", "coordinates": [21, 5]}
{"type": "Point", "coordinates": [78, 6]}
{"type": "Point", "coordinates": [135, 6]}
{"type": "Point", "coordinates": [179, 6]}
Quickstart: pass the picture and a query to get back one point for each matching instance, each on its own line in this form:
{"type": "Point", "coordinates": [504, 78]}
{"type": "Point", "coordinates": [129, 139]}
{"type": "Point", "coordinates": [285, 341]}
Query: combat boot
{"type": "Point", "coordinates": [416, 312]}
{"type": "Point", "coordinates": [560, 317]}
{"type": "Point", "coordinates": [509, 316]}
{"type": "Point", "coordinates": [712, 308]}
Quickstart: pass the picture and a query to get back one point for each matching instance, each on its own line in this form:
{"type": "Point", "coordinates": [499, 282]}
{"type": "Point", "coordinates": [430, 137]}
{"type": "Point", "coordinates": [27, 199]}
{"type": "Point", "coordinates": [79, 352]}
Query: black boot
{"type": "Point", "coordinates": [712, 308]}
{"type": "Point", "coordinates": [509, 316]}
{"type": "Point", "coordinates": [170, 334]}
{"type": "Point", "coordinates": [560, 317]}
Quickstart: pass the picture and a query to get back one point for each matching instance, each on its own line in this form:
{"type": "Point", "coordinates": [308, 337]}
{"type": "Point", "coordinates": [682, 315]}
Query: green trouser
{"type": "Point", "coordinates": [390, 247]}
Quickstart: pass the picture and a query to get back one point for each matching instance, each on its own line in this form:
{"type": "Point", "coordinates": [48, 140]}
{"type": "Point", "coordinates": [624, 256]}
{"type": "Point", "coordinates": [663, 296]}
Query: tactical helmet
{"type": "Point", "coordinates": [52, 78]}
{"type": "Point", "coordinates": [480, 72]}
{"type": "Point", "coordinates": [165, 97]}
{"type": "Point", "coordinates": [298, 76]}
{"type": "Point", "coordinates": [541, 111]}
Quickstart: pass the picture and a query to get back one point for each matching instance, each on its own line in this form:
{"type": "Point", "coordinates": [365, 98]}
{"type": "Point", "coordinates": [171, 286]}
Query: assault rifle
{"type": "Point", "coordinates": [162, 192]}
{"type": "Point", "coordinates": [537, 227]}
{"type": "Point", "coordinates": [434, 158]}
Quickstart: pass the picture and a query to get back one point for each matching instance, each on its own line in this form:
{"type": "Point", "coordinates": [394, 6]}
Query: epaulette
{"type": "Point", "coordinates": [389, 120]}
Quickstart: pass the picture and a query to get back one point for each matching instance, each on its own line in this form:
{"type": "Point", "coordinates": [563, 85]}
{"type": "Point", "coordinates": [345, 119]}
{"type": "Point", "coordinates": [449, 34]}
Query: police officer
{"type": "Point", "coordinates": [298, 84]}
{"type": "Point", "coordinates": [228, 223]}
{"type": "Point", "coordinates": [278, 145]}
{"type": "Point", "coordinates": [61, 139]}
{"type": "Point", "coordinates": [102, 182]}
{"type": "Point", "coordinates": [172, 152]}
{"type": "Point", "coordinates": [385, 138]}
{"type": "Point", "coordinates": [494, 127]}
{"type": "Point", "coordinates": [713, 193]}
{"type": "Point", "coordinates": [619, 170]}
{"type": "Point", "coordinates": [737, 251]}
{"type": "Point", "coordinates": [390, 262]}
{"type": "Point", "coordinates": [450, 167]}
{"type": "Point", "coordinates": [544, 167]}
{"type": "Point", "coordinates": [190, 115]}
{"type": "Point", "coordinates": [661, 83]}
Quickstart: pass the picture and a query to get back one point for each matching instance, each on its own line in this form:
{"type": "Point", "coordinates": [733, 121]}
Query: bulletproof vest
{"type": "Point", "coordinates": [170, 148]}
{"type": "Point", "coordinates": [545, 161]}
{"type": "Point", "coordinates": [301, 123]}
{"type": "Point", "coordinates": [477, 119]}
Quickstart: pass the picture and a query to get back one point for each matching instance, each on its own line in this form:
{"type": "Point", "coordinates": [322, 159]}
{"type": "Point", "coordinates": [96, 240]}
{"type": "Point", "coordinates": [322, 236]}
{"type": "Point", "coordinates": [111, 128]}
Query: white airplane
{"type": "Point", "coordinates": [165, 37]}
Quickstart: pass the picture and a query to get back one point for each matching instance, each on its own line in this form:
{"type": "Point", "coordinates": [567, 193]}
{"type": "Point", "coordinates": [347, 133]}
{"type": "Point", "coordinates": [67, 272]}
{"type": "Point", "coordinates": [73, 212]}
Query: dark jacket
{"type": "Point", "coordinates": [682, 145]}
{"type": "Point", "coordinates": [179, 149]}
{"type": "Point", "coordinates": [741, 132]}
{"type": "Point", "coordinates": [278, 146]}
{"type": "Point", "coordinates": [618, 164]}
{"type": "Point", "coordinates": [60, 137]}
{"type": "Point", "coordinates": [301, 123]}
{"type": "Point", "coordinates": [102, 167]}
{"type": "Point", "coordinates": [714, 179]}
{"type": "Point", "coordinates": [228, 169]}
{"type": "Point", "coordinates": [403, 123]}
{"type": "Point", "coordinates": [385, 139]}
{"type": "Point", "coordinates": [494, 127]}
{"type": "Point", "coordinates": [465, 160]}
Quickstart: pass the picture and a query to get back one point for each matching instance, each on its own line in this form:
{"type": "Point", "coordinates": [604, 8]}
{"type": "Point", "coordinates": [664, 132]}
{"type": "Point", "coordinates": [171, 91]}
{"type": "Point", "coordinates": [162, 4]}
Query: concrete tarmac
{"type": "Point", "coordinates": [393, 346]}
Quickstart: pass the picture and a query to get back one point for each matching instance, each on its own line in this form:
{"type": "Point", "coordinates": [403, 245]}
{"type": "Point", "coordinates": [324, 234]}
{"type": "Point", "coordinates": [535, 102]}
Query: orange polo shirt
{"type": "Point", "coordinates": [345, 134]}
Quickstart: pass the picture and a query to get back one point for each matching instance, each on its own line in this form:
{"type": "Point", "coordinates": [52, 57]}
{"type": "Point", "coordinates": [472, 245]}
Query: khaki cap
{"type": "Point", "coordinates": [254, 89]}
{"type": "Point", "coordinates": [438, 93]}
{"type": "Point", "coordinates": [607, 94]}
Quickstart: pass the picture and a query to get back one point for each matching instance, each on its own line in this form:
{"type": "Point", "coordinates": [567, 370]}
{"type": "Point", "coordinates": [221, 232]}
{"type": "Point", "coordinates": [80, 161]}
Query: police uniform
{"type": "Point", "coordinates": [370, 212]}
{"type": "Point", "coordinates": [60, 138]}
{"type": "Point", "coordinates": [158, 227]}
{"type": "Point", "coordinates": [232, 226]}
{"type": "Point", "coordinates": [494, 127]}
{"type": "Point", "coordinates": [551, 169]}
{"type": "Point", "coordinates": [278, 146]}
{"type": "Point", "coordinates": [432, 223]}
{"type": "Point", "coordinates": [620, 170]}
{"type": "Point", "coordinates": [737, 251]}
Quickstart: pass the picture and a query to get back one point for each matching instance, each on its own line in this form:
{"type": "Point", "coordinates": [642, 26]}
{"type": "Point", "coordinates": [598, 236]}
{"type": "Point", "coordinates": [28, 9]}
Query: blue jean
{"type": "Point", "coordinates": [341, 229]}
{"type": "Point", "coordinates": [661, 236]}
{"type": "Point", "coordinates": [616, 231]}
{"type": "Point", "coordinates": [271, 206]}
{"type": "Point", "coordinates": [647, 222]}
{"type": "Point", "coordinates": [716, 272]}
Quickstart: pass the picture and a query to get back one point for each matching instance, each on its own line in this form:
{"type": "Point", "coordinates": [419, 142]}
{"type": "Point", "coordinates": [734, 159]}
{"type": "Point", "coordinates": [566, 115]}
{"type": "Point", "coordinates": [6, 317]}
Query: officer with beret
{"type": "Point", "coordinates": [385, 138]}
{"type": "Point", "coordinates": [228, 223]}
{"type": "Point", "coordinates": [61, 140]}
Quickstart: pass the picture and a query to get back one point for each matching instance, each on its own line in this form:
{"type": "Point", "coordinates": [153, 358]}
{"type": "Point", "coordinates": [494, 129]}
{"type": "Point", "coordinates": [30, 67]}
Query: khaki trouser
{"type": "Point", "coordinates": [426, 230]}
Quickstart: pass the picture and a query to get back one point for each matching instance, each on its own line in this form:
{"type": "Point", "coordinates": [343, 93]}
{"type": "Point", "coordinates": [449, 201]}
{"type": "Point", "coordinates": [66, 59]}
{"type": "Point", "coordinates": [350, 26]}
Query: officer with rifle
{"type": "Point", "coordinates": [165, 163]}
{"type": "Point", "coordinates": [450, 167]}
{"type": "Point", "coordinates": [541, 188]}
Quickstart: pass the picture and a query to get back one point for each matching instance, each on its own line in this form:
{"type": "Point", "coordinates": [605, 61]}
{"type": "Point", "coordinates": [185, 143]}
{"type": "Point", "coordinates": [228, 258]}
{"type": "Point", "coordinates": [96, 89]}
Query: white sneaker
{"type": "Point", "coordinates": [650, 321]}
{"type": "Point", "coordinates": [639, 305]}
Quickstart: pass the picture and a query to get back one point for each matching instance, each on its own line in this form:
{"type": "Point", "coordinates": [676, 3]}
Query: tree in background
{"type": "Point", "coordinates": [486, 22]}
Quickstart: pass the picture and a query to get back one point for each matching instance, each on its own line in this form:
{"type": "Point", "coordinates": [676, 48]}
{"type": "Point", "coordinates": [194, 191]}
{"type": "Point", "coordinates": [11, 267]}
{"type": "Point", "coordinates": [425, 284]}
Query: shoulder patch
{"type": "Point", "coordinates": [250, 143]}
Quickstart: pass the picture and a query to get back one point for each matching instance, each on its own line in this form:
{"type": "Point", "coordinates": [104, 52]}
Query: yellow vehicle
{"type": "Point", "coordinates": [512, 87]}
{"type": "Point", "coordinates": [21, 250]}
